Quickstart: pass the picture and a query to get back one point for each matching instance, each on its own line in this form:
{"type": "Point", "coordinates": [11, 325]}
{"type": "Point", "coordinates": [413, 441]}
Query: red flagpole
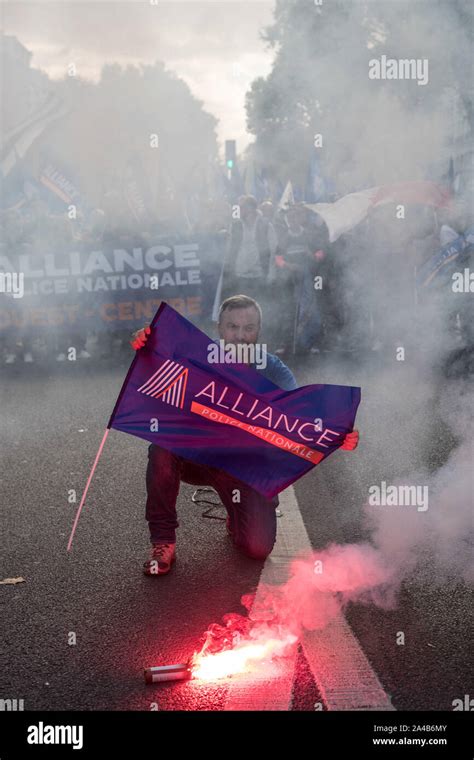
{"type": "Point", "coordinates": [79, 510]}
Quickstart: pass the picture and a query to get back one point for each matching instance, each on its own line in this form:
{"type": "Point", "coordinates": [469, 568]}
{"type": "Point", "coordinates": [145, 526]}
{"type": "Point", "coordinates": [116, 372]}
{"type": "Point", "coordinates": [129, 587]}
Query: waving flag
{"type": "Point", "coordinates": [60, 190]}
{"type": "Point", "coordinates": [228, 416]}
{"type": "Point", "coordinates": [16, 142]}
{"type": "Point", "coordinates": [439, 263]}
{"type": "Point", "coordinates": [347, 212]}
{"type": "Point", "coordinates": [287, 198]}
{"type": "Point", "coordinates": [315, 188]}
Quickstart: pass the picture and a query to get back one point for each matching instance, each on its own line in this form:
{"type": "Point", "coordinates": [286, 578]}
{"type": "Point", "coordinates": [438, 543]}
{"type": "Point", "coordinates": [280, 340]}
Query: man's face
{"type": "Point", "coordinates": [240, 325]}
{"type": "Point", "coordinates": [248, 212]}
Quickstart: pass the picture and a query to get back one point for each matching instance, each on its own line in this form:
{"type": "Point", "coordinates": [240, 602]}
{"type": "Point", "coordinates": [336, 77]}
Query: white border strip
{"type": "Point", "coordinates": [340, 668]}
{"type": "Point", "coordinates": [272, 691]}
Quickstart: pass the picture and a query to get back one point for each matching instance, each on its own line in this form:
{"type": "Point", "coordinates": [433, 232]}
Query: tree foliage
{"type": "Point", "coordinates": [319, 84]}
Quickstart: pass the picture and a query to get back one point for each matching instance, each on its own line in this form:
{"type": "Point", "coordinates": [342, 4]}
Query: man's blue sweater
{"type": "Point", "coordinates": [277, 372]}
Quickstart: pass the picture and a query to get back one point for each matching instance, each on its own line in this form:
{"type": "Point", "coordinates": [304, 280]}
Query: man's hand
{"type": "Point", "coordinates": [140, 337]}
{"type": "Point", "coordinates": [351, 440]}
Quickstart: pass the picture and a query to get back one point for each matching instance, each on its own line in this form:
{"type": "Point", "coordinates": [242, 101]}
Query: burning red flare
{"type": "Point", "coordinates": [239, 646]}
{"type": "Point", "coordinates": [309, 599]}
{"type": "Point", "coordinates": [246, 658]}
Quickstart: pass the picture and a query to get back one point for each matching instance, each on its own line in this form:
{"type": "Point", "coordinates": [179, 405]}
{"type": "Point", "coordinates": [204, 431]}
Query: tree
{"type": "Point", "coordinates": [373, 131]}
{"type": "Point", "coordinates": [110, 125]}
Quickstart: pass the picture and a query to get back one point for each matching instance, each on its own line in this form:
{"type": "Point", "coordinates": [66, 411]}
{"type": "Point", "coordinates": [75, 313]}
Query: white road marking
{"type": "Point", "coordinates": [272, 691]}
{"type": "Point", "coordinates": [340, 668]}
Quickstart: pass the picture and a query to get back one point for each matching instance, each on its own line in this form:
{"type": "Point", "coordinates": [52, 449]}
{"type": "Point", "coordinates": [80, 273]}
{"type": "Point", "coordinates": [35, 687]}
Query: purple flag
{"type": "Point", "coordinates": [228, 416]}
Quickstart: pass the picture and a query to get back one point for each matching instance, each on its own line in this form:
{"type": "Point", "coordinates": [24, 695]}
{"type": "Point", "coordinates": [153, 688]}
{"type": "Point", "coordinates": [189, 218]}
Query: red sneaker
{"type": "Point", "coordinates": [161, 558]}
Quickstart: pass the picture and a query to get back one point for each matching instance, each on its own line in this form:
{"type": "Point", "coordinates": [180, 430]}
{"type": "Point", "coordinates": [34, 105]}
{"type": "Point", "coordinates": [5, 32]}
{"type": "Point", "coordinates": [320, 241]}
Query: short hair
{"type": "Point", "coordinates": [248, 200]}
{"type": "Point", "coordinates": [239, 302]}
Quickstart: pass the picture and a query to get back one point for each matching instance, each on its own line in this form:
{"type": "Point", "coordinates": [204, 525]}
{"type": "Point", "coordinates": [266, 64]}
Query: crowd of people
{"type": "Point", "coordinates": [354, 293]}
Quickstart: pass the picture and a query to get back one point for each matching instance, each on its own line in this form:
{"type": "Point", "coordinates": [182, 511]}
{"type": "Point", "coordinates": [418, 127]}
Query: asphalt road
{"type": "Point", "coordinates": [53, 421]}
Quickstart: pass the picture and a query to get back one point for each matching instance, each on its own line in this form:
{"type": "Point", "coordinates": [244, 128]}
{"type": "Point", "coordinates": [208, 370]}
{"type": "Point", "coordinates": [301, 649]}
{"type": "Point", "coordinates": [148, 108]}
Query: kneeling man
{"type": "Point", "coordinates": [251, 522]}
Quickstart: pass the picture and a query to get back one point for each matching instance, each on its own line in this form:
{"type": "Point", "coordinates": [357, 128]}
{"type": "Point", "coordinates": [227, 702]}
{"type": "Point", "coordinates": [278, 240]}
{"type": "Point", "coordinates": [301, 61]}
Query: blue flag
{"type": "Point", "coordinates": [436, 265]}
{"type": "Point", "coordinates": [180, 395]}
{"type": "Point", "coordinates": [315, 189]}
